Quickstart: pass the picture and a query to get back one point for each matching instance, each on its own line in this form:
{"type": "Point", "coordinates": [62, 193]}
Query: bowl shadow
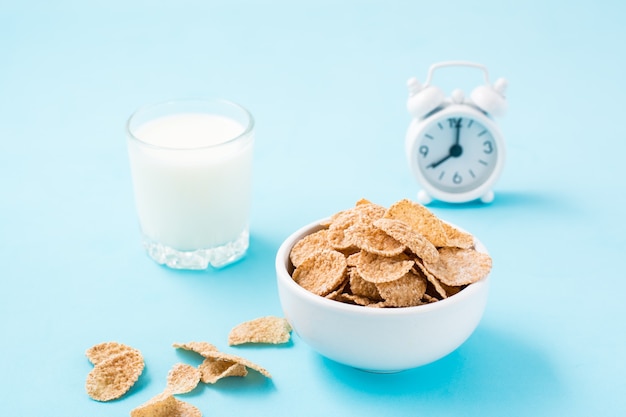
{"type": "Point", "coordinates": [491, 370]}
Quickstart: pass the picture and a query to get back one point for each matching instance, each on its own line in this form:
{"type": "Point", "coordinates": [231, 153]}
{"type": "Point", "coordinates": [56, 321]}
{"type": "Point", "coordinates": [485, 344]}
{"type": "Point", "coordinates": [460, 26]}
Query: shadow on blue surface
{"type": "Point", "coordinates": [507, 199]}
{"type": "Point", "coordinates": [144, 381]}
{"type": "Point", "coordinates": [491, 370]}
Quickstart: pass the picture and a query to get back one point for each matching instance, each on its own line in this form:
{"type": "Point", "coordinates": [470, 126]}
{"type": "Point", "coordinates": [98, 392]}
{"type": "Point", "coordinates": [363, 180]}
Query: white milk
{"type": "Point", "coordinates": [193, 187]}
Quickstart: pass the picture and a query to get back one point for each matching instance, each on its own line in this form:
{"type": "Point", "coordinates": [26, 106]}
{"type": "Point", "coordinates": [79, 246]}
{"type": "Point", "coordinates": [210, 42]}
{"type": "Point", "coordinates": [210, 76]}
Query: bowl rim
{"type": "Point", "coordinates": [284, 277]}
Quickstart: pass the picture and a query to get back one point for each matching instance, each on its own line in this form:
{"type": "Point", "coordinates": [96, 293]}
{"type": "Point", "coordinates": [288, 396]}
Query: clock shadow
{"type": "Point", "coordinates": [503, 199]}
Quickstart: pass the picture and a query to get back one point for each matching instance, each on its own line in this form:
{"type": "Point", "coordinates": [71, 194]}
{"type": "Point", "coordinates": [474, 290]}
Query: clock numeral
{"type": "Point", "coordinates": [457, 179]}
{"type": "Point", "coordinates": [455, 122]}
{"type": "Point", "coordinates": [423, 150]}
{"type": "Point", "coordinates": [488, 147]}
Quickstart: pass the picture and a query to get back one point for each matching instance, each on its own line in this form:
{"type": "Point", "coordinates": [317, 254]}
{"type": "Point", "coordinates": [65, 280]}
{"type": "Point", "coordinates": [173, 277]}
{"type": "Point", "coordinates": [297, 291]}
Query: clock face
{"type": "Point", "coordinates": [456, 153]}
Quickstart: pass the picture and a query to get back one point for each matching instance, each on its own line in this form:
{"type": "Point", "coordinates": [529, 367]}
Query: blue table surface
{"type": "Point", "coordinates": [326, 82]}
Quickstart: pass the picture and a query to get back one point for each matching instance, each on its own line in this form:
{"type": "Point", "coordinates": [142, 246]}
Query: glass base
{"type": "Point", "coordinates": [217, 257]}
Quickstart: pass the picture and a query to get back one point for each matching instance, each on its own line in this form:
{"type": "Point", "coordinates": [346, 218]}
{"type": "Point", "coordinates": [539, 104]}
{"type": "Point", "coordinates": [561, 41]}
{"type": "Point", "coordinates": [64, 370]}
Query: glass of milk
{"type": "Point", "coordinates": [191, 165]}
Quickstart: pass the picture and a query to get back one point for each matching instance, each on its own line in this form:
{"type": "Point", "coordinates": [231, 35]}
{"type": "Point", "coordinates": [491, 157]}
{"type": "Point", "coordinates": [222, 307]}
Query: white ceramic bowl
{"type": "Point", "coordinates": [377, 339]}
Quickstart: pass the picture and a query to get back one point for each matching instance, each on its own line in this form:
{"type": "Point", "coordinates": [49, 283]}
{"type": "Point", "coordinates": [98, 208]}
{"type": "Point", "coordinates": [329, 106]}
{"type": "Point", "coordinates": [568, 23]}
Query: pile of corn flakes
{"type": "Point", "coordinates": [402, 256]}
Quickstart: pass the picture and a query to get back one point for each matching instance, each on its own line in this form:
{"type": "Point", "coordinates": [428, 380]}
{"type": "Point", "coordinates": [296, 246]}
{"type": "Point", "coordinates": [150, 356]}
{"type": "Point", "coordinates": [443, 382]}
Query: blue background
{"type": "Point", "coordinates": [326, 83]}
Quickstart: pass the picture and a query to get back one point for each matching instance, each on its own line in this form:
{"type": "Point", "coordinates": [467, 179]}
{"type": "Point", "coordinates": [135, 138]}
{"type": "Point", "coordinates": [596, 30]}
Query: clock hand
{"type": "Point", "coordinates": [439, 162]}
{"type": "Point", "coordinates": [455, 150]}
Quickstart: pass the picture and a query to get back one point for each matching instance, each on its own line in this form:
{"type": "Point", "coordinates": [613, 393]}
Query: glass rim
{"type": "Point", "coordinates": [249, 126]}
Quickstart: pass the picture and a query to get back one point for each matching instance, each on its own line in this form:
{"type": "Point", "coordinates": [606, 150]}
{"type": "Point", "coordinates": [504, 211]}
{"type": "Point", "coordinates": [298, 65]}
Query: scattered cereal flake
{"type": "Point", "coordinates": [103, 351]}
{"type": "Point", "coordinates": [269, 329]}
{"type": "Point", "coordinates": [213, 370]}
{"type": "Point", "coordinates": [375, 268]}
{"type": "Point", "coordinates": [404, 292]}
{"type": "Point", "coordinates": [186, 409]}
{"type": "Point", "coordinates": [420, 219]}
{"type": "Point", "coordinates": [309, 246]}
{"type": "Point", "coordinates": [374, 240]}
{"type": "Point", "coordinates": [460, 266]}
{"type": "Point", "coordinates": [208, 351]}
{"type": "Point", "coordinates": [161, 405]}
{"type": "Point", "coordinates": [322, 273]}
{"type": "Point", "coordinates": [416, 242]}
{"type": "Point", "coordinates": [182, 378]}
{"type": "Point", "coordinates": [166, 405]}
{"type": "Point", "coordinates": [113, 377]}
{"type": "Point", "coordinates": [200, 348]}
{"type": "Point", "coordinates": [226, 357]}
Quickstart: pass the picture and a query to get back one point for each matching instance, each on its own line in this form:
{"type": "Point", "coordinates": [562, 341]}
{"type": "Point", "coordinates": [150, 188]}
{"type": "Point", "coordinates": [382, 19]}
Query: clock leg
{"type": "Point", "coordinates": [487, 198]}
{"type": "Point", "coordinates": [423, 197]}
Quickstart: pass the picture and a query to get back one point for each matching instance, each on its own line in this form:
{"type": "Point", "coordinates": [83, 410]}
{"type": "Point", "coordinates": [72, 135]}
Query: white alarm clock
{"type": "Point", "coordinates": [455, 149]}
